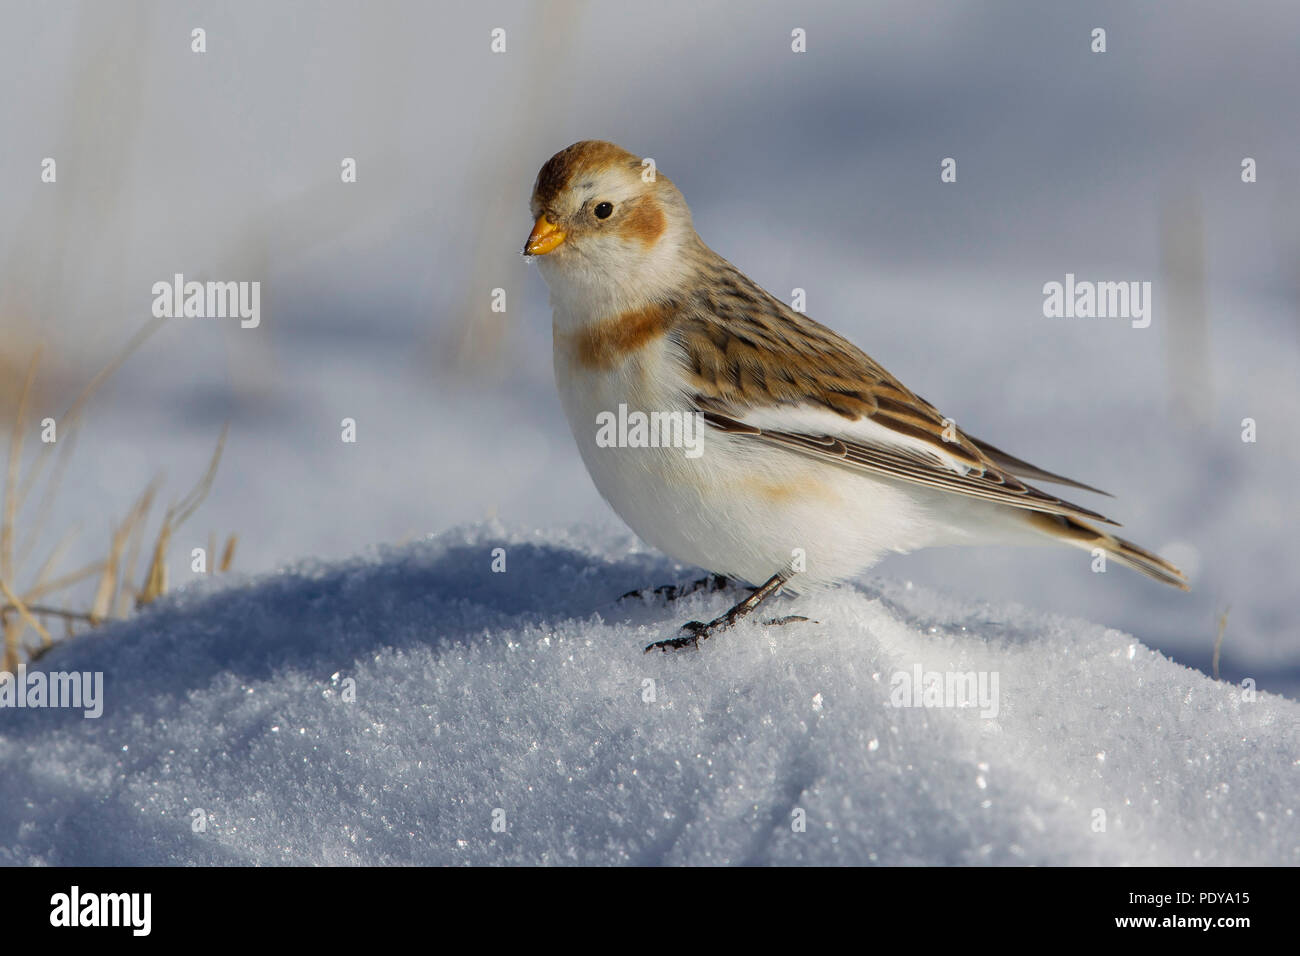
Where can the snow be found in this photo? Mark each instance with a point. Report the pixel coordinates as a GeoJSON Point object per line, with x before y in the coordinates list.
{"type": "Point", "coordinates": [524, 697]}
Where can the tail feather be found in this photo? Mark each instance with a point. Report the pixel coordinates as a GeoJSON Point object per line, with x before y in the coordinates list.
{"type": "Point", "coordinates": [1082, 535]}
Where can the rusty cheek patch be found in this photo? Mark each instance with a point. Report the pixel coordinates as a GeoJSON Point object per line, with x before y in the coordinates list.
{"type": "Point", "coordinates": [607, 344]}
{"type": "Point", "coordinates": [645, 222]}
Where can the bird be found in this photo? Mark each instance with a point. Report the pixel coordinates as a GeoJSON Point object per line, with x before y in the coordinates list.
{"type": "Point", "coordinates": [807, 462]}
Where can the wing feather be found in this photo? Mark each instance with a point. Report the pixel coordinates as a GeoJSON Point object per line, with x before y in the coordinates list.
{"type": "Point", "coordinates": [989, 484]}
{"type": "Point", "coordinates": [745, 353]}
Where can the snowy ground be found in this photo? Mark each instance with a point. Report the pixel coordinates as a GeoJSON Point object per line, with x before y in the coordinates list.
{"type": "Point", "coordinates": [525, 694]}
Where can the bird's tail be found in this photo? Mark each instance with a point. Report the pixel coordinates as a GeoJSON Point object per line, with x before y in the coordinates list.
{"type": "Point", "coordinates": [1082, 535]}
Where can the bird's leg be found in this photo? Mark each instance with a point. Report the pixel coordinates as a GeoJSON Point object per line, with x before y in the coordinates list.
{"type": "Point", "coordinates": [698, 631]}
{"type": "Point", "coordinates": [671, 592]}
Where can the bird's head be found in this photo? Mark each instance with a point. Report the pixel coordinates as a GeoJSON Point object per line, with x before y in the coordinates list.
{"type": "Point", "coordinates": [607, 226]}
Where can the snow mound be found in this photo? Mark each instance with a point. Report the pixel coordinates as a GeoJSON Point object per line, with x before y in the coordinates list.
{"type": "Point", "coordinates": [414, 706]}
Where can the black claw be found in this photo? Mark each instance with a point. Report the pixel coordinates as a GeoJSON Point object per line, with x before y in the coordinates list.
{"type": "Point", "coordinates": [674, 644]}
{"type": "Point", "coordinates": [698, 631]}
{"type": "Point", "coordinates": [673, 592]}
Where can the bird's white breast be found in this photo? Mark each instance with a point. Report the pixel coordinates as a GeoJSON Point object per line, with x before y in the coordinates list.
{"type": "Point", "coordinates": [743, 508]}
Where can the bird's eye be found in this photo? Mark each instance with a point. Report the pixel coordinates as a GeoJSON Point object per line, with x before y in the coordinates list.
{"type": "Point", "coordinates": [604, 210]}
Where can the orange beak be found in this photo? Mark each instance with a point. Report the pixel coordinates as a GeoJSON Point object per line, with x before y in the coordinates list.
{"type": "Point", "coordinates": [545, 237]}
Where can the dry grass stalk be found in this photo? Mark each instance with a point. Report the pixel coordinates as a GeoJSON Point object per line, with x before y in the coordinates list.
{"type": "Point", "coordinates": [156, 577]}
{"type": "Point", "coordinates": [13, 628]}
{"type": "Point", "coordinates": [115, 568]}
{"type": "Point", "coordinates": [228, 555]}
{"type": "Point", "coordinates": [11, 658]}
{"type": "Point", "coordinates": [64, 582]}
{"type": "Point", "coordinates": [67, 424]}
{"type": "Point", "coordinates": [114, 593]}
{"type": "Point", "coordinates": [12, 495]}
{"type": "Point", "coordinates": [126, 594]}
{"type": "Point", "coordinates": [54, 557]}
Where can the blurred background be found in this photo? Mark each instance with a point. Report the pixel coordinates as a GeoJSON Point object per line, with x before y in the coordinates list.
{"type": "Point", "coordinates": [817, 170]}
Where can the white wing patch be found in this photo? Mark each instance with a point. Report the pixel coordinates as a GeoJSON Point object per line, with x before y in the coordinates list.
{"type": "Point", "coordinates": [870, 446]}
{"type": "Point", "coordinates": [820, 421]}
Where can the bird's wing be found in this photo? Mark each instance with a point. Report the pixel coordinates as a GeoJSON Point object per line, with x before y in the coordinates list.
{"type": "Point", "coordinates": [756, 368]}
{"type": "Point", "coordinates": [1023, 469]}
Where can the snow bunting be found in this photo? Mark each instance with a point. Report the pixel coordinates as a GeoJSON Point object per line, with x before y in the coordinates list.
{"type": "Point", "coordinates": [812, 461]}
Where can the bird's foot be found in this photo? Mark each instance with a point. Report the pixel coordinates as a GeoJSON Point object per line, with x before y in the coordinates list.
{"type": "Point", "coordinates": [671, 592]}
{"type": "Point", "coordinates": [695, 631]}
{"type": "Point", "coordinates": [788, 619]}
